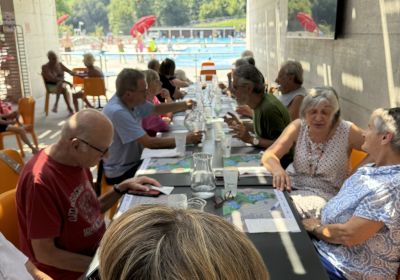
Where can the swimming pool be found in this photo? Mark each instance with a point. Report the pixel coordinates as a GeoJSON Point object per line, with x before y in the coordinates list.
{"type": "Point", "coordinates": [223, 55]}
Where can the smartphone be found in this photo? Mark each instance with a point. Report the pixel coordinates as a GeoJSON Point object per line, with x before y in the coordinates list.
{"type": "Point", "coordinates": [150, 193]}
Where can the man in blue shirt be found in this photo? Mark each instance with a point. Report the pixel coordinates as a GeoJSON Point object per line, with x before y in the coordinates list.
{"type": "Point", "coordinates": [126, 110]}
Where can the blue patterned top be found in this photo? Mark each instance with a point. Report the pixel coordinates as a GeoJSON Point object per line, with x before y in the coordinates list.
{"type": "Point", "coordinates": [372, 193]}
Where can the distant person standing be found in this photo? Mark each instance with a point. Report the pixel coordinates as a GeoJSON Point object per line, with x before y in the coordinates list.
{"type": "Point", "coordinates": [121, 50]}
{"type": "Point", "coordinates": [67, 45]}
{"type": "Point", "coordinates": [139, 47]}
{"type": "Point", "coordinates": [152, 45]}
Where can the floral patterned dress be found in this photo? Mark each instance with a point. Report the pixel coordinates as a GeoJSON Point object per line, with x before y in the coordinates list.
{"type": "Point", "coordinates": [318, 169]}
{"type": "Point", "coordinates": [372, 193]}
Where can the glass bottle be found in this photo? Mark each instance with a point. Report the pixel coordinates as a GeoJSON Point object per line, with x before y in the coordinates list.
{"type": "Point", "coordinates": [202, 177]}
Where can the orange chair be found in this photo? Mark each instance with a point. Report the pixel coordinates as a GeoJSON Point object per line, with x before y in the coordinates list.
{"type": "Point", "coordinates": [95, 87]}
{"type": "Point", "coordinates": [208, 69]}
{"type": "Point", "coordinates": [19, 142]}
{"type": "Point", "coordinates": [9, 177]}
{"type": "Point", "coordinates": [76, 80]}
{"type": "Point", "coordinates": [9, 217]}
{"type": "Point", "coordinates": [26, 110]}
{"type": "Point", "coordinates": [104, 189]}
{"type": "Point", "coordinates": [356, 157]}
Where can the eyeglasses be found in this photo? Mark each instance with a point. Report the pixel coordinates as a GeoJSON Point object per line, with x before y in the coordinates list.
{"type": "Point", "coordinates": [220, 200]}
{"type": "Point", "coordinates": [102, 152]}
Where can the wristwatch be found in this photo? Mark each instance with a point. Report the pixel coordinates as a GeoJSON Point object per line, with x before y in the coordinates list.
{"type": "Point", "coordinates": [256, 141]}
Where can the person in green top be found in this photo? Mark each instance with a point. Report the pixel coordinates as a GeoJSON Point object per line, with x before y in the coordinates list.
{"type": "Point", "coordinates": [270, 115]}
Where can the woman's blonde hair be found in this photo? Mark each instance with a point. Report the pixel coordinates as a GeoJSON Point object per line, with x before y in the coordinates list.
{"type": "Point", "coordinates": [157, 242]}
{"type": "Point", "coordinates": [151, 76]}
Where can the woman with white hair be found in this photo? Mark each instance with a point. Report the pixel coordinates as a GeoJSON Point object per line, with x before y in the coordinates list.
{"type": "Point", "coordinates": [92, 72]}
{"type": "Point", "coordinates": [359, 230]}
{"type": "Point", "coordinates": [323, 143]}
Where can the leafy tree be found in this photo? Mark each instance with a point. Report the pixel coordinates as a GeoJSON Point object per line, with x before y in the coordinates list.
{"type": "Point", "coordinates": [324, 13]}
{"type": "Point", "coordinates": [92, 13]}
{"type": "Point", "coordinates": [172, 12]}
{"type": "Point", "coordinates": [144, 8]}
{"type": "Point", "coordinates": [121, 15]}
{"type": "Point", "coordinates": [222, 8]}
{"type": "Point", "coordinates": [63, 7]}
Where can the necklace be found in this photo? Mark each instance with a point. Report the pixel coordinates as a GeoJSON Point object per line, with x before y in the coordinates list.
{"type": "Point", "coordinates": [315, 151]}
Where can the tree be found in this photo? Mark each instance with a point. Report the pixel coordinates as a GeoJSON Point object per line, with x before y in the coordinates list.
{"type": "Point", "coordinates": [121, 15]}
{"type": "Point", "coordinates": [222, 8]}
{"type": "Point", "coordinates": [92, 13]}
{"type": "Point", "coordinates": [63, 7]}
{"type": "Point", "coordinates": [172, 12]}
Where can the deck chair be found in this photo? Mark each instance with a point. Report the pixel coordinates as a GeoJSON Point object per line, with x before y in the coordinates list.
{"type": "Point", "coordinates": [26, 110]}
{"type": "Point", "coordinates": [9, 217]}
{"type": "Point", "coordinates": [208, 69]}
{"type": "Point", "coordinates": [95, 87]}
{"type": "Point", "coordinates": [11, 164]}
{"type": "Point", "coordinates": [356, 157]}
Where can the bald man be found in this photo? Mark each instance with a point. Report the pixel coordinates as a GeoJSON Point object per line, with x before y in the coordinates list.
{"type": "Point", "coordinates": [60, 217]}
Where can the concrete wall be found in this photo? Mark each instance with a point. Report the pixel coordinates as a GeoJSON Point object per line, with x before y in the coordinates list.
{"type": "Point", "coordinates": [363, 64]}
{"type": "Point", "coordinates": [38, 20]}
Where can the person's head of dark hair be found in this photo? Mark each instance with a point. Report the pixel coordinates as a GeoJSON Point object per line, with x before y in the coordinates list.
{"type": "Point", "coordinates": [153, 64]}
{"type": "Point", "coordinates": [249, 74]}
{"type": "Point", "coordinates": [128, 79]}
{"type": "Point", "coordinates": [167, 67]}
{"type": "Point", "coordinates": [250, 60]}
{"type": "Point", "coordinates": [294, 68]}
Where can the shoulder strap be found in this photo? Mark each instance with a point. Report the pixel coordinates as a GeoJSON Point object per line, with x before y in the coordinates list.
{"type": "Point", "coordinates": [10, 162]}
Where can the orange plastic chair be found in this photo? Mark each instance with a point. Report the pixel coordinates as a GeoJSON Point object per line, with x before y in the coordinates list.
{"type": "Point", "coordinates": [356, 157]}
{"type": "Point", "coordinates": [9, 177]}
{"type": "Point", "coordinates": [26, 110]}
{"type": "Point", "coordinates": [9, 217]}
{"type": "Point", "coordinates": [19, 141]}
{"type": "Point", "coordinates": [76, 80]}
{"type": "Point", "coordinates": [104, 189]}
{"type": "Point", "coordinates": [208, 69]}
{"type": "Point", "coordinates": [95, 87]}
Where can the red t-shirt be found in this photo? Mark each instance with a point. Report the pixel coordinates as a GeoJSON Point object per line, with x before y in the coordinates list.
{"type": "Point", "coordinates": [58, 201]}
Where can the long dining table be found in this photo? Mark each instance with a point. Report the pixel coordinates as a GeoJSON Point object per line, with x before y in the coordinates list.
{"type": "Point", "coordinates": [287, 255]}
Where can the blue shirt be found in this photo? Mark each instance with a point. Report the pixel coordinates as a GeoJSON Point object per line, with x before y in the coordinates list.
{"type": "Point", "coordinates": [372, 193]}
{"type": "Point", "coordinates": [124, 151]}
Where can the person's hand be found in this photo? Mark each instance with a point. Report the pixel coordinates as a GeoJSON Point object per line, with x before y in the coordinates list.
{"type": "Point", "coordinates": [281, 180]}
{"type": "Point", "coordinates": [311, 224]}
{"type": "Point", "coordinates": [138, 184]}
{"type": "Point", "coordinates": [178, 94]}
{"type": "Point", "coordinates": [244, 110]}
{"type": "Point", "coordinates": [11, 121]}
{"type": "Point", "coordinates": [240, 131]}
{"type": "Point", "coordinates": [12, 115]}
{"type": "Point", "coordinates": [231, 119]}
{"type": "Point", "coordinates": [221, 85]}
{"type": "Point", "coordinates": [194, 137]}
{"type": "Point", "coordinates": [190, 104]}
{"type": "Point", "coordinates": [165, 93]}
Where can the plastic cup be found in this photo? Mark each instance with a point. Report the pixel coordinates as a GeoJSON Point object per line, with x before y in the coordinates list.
{"type": "Point", "coordinates": [218, 131]}
{"type": "Point", "coordinates": [231, 180]}
{"type": "Point", "coordinates": [180, 142]}
{"type": "Point", "coordinates": [227, 145]}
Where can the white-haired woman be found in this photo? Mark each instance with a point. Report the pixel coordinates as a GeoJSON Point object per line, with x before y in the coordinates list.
{"type": "Point", "coordinates": [92, 72]}
{"type": "Point", "coordinates": [323, 143]}
{"type": "Point", "coordinates": [359, 230]}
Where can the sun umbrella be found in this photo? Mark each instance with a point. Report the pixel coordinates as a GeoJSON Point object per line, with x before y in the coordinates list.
{"type": "Point", "coordinates": [62, 18]}
{"type": "Point", "coordinates": [306, 21]}
{"type": "Point", "coordinates": [142, 25]}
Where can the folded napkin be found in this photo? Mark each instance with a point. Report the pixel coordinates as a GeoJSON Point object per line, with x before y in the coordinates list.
{"type": "Point", "coordinates": [159, 153]}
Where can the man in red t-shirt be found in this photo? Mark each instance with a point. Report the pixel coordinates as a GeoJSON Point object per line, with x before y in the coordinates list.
{"type": "Point", "coordinates": [60, 217]}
